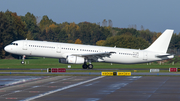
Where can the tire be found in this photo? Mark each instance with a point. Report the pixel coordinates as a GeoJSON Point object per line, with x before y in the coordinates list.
{"type": "Point", "coordinates": [84, 66]}
{"type": "Point", "coordinates": [90, 66]}
{"type": "Point", "coordinates": [22, 62]}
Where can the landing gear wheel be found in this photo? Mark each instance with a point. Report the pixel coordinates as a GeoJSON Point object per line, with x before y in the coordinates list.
{"type": "Point", "coordinates": [90, 66]}
{"type": "Point", "coordinates": [23, 57]}
{"type": "Point", "coordinates": [84, 66]}
{"type": "Point", "coordinates": [22, 62]}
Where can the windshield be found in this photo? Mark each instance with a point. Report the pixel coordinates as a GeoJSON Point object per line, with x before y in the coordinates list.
{"type": "Point", "coordinates": [14, 44]}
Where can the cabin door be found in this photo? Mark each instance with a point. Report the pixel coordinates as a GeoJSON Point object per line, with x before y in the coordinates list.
{"type": "Point", "coordinates": [58, 49]}
{"type": "Point", "coordinates": [24, 45]}
{"type": "Point", "coordinates": [145, 56]}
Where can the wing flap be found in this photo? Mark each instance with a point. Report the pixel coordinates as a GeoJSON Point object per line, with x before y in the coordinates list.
{"type": "Point", "coordinates": [94, 56]}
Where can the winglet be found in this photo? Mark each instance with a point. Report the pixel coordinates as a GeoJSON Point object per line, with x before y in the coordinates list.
{"type": "Point", "coordinates": [162, 43]}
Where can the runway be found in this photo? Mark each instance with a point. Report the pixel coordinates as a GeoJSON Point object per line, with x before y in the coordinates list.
{"type": "Point", "coordinates": [95, 88]}
{"type": "Point", "coordinates": [99, 73]}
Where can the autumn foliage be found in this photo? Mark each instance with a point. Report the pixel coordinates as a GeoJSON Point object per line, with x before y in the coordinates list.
{"type": "Point", "coordinates": [14, 27]}
{"type": "Point", "coordinates": [78, 41]}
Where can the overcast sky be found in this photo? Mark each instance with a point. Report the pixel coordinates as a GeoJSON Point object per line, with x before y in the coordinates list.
{"type": "Point", "coordinates": [155, 15]}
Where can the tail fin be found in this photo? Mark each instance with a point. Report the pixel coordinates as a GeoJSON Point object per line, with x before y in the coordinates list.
{"type": "Point", "coordinates": [162, 43]}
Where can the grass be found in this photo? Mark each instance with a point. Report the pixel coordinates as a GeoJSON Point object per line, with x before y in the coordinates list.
{"type": "Point", "coordinates": [43, 63]}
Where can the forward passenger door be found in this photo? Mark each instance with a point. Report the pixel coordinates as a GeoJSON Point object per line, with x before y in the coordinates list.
{"type": "Point", "coordinates": [24, 45]}
{"type": "Point", "coordinates": [58, 49]}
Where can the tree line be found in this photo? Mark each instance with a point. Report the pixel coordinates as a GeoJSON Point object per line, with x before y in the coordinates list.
{"type": "Point", "coordinates": [14, 27]}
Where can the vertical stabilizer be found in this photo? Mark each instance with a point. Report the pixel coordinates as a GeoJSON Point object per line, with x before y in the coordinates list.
{"type": "Point", "coordinates": [162, 42]}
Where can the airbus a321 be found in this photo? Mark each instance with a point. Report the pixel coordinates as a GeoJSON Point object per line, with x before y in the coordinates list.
{"type": "Point", "coordinates": [83, 54]}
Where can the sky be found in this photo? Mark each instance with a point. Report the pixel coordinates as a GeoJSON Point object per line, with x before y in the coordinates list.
{"type": "Point", "coordinates": [155, 15]}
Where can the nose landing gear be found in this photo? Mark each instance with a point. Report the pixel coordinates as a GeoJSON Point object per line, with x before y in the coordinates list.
{"type": "Point", "coordinates": [23, 58]}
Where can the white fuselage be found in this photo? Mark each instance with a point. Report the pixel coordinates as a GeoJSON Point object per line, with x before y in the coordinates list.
{"type": "Point", "coordinates": [62, 50]}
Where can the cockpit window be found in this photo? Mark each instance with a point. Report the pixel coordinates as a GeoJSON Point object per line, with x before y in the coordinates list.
{"type": "Point", "coordinates": [16, 44]}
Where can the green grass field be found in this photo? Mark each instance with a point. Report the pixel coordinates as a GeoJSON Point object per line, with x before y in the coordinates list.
{"type": "Point", "coordinates": [41, 63]}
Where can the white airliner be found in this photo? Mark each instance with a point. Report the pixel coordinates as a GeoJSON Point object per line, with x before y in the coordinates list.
{"type": "Point", "coordinates": [81, 54]}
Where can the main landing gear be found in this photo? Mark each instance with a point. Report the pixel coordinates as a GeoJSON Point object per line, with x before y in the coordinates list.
{"type": "Point", "coordinates": [22, 62]}
{"type": "Point", "coordinates": [85, 66]}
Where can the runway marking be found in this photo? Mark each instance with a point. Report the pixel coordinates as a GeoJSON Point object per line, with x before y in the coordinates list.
{"type": "Point", "coordinates": [52, 86]}
{"type": "Point", "coordinates": [17, 91]}
{"type": "Point", "coordinates": [21, 86]}
{"type": "Point", "coordinates": [2, 90]}
{"type": "Point", "coordinates": [157, 88]}
{"type": "Point", "coordinates": [11, 98]}
{"type": "Point", "coordinates": [33, 91]}
{"type": "Point", "coordinates": [52, 82]}
{"type": "Point", "coordinates": [92, 99]}
{"type": "Point", "coordinates": [92, 84]}
{"type": "Point", "coordinates": [31, 88]}
{"type": "Point", "coordinates": [66, 82]}
{"type": "Point", "coordinates": [117, 85]}
{"type": "Point", "coordinates": [35, 86]}
{"type": "Point", "coordinates": [133, 77]}
{"type": "Point", "coordinates": [61, 89]}
{"type": "Point", "coordinates": [112, 88]}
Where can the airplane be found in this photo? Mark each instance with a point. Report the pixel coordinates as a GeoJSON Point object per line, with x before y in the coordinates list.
{"type": "Point", "coordinates": [83, 54]}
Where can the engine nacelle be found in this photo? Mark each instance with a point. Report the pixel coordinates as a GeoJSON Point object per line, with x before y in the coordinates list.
{"type": "Point", "coordinates": [72, 60]}
{"type": "Point", "coordinates": [62, 60]}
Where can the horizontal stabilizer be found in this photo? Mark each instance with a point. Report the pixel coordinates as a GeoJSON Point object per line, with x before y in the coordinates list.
{"type": "Point", "coordinates": [164, 55]}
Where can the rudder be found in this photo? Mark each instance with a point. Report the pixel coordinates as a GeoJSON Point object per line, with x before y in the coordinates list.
{"type": "Point", "coordinates": [161, 44]}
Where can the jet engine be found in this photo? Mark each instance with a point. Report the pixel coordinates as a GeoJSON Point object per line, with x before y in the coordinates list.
{"type": "Point", "coordinates": [72, 60]}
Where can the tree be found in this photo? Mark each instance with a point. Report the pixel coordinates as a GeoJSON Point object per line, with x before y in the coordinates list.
{"type": "Point", "coordinates": [62, 36]}
{"type": "Point", "coordinates": [30, 22]}
{"type": "Point", "coordinates": [45, 22]}
{"type": "Point", "coordinates": [11, 28]}
{"type": "Point", "coordinates": [100, 42]}
{"type": "Point", "coordinates": [78, 41]}
{"type": "Point", "coordinates": [133, 31]}
{"type": "Point", "coordinates": [110, 24]}
{"type": "Point", "coordinates": [72, 30]}
{"type": "Point", "coordinates": [126, 41]}
{"type": "Point", "coordinates": [90, 33]}
{"type": "Point", "coordinates": [52, 27]}
{"type": "Point", "coordinates": [175, 42]}
{"type": "Point", "coordinates": [147, 35]}
{"type": "Point", "coordinates": [104, 23]}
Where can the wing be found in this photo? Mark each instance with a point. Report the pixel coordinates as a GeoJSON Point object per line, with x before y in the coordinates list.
{"type": "Point", "coordinates": [94, 56]}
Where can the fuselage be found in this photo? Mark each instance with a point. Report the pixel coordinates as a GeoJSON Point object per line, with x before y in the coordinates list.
{"type": "Point", "coordinates": [62, 50]}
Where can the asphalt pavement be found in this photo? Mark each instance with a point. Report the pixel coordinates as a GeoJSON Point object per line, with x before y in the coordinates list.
{"type": "Point", "coordinates": [95, 88]}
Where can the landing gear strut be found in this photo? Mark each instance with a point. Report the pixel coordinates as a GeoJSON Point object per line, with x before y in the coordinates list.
{"type": "Point", "coordinates": [85, 66]}
{"type": "Point", "coordinates": [22, 62]}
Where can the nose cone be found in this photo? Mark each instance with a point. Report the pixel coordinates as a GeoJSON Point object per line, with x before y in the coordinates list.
{"type": "Point", "coordinates": [6, 49]}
